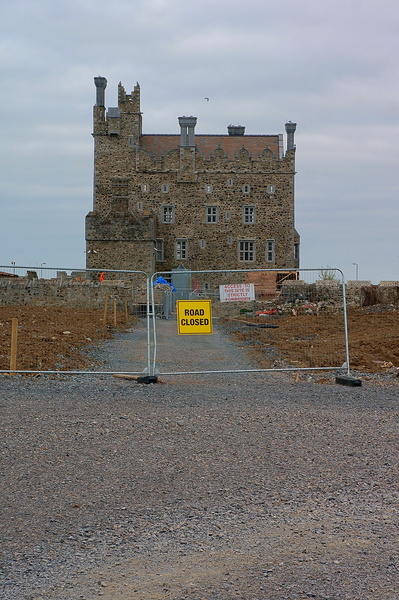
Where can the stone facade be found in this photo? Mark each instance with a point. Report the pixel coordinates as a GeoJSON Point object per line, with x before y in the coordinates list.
{"type": "Point", "coordinates": [202, 201]}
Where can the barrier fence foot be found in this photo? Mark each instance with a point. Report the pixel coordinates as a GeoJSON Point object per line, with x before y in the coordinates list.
{"type": "Point", "coordinates": [348, 380]}
{"type": "Point", "coordinates": [147, 379]}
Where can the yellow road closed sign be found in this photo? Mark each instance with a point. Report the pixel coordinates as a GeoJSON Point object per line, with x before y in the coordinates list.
{"type": "Point", "coordinates": [194, 317]}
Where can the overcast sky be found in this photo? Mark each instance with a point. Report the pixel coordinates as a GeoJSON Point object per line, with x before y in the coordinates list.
{"type": "Point", "coordinates": [332, 67]}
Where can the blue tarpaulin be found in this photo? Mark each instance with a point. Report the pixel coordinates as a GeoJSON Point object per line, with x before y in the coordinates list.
{"type": "Point", "coordinates": [163, 281]}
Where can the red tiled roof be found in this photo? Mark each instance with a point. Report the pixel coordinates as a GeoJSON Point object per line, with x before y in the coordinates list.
{"type": "Point", "coordinates": [159, 144]}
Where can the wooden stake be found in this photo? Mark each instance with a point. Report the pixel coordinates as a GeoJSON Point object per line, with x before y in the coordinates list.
{"type": "Point", "coordinates": [14, 345]}
{"type": "Point", "coordinates": [105, 311]}
{"type": "Point", "coordinates": [126, 312]}
{"type": "Point", "coordinates": [127, 376]}
{"type": "Point", "coordinates": [115, 314]}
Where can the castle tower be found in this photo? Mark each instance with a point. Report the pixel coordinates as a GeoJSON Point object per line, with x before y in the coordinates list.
{"type": "Point", "coordinates": [118, 234]}
{"type": "Point", "coordinates": [207, 201]}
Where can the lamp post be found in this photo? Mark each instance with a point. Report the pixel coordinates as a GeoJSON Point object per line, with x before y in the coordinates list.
{"type": "Point", "coordinates": [13, 266]}
{"type": "Point", "coordinates": [357, 270]}
{"type": "Point", "coordinates": [41, 269]}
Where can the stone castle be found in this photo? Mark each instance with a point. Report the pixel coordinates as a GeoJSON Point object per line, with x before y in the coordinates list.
{"type": "Point", "coordinates": [202, 202]}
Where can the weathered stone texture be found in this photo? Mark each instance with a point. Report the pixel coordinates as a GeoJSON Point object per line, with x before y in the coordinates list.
{"type": "Point", "coordinates": [136, 176]}
{"type": "Point", "coordinates": [84, 290]}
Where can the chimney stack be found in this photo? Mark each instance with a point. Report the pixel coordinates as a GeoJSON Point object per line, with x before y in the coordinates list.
{"type": "Point", "coordinates": [236, 130]}
{"type": "Point", "coordinates": [101, 84]}
{"type": "Point", "coordinates": [187, 125]}
{"type": "Point", "coordinates": [290, 129]}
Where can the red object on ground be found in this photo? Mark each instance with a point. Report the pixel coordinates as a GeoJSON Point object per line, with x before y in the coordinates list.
{"type": "Point", "coordinates": [267, 312]}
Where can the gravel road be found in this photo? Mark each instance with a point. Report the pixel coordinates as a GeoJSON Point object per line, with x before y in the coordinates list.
{"type": "Point", "coordinates": [201, 487]}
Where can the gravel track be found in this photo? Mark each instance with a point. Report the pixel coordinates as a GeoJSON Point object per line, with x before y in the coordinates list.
{"type": "Point", "coordinates": [248, 486]}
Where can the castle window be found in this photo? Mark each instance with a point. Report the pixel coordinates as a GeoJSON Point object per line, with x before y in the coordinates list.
{"type": "Point", "coordinates": [139, 206]}
{"type": "Point", "coordinates": [202, 244]}
{"type": "Point", "coordinates": [271, 189]}
{"type": "Point", "coordinates": [181, 249]}
{"type": "Point", "coordinates": [145, 187]}
{"type": "Point", "coordinates": [270, 250]}
{"type": "Point", "coordinates": [208, 188]}
{"type": "Point", "coordinates": [211, 215]}
{"type": "Point", "coordinates": [246, 189]}
{"type": "Point", "coordinates": [227, 215]}
{"type": "Point", "coordinates": [168, 214]}
{"type": "Point", "coordinates": [230, 239]}
{"type": "Point", "coordinates": [248, 214]}
{"type": "Point", "coordinates": [159, 250]}
{"type": "Point", "coordinates": [230, 182]}
{"type": "Point", "coordinates": [296, 251]}
{"type": "Point", "coordinates": [246, 250]}
{"type": "Point", "coordinates": [165, 188]}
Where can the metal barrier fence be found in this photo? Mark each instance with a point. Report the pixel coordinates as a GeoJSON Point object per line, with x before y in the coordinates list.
{"type": "Point", "coordinates": [59, 320]}
{"type": "Point", "coordinates": [105, 321]}
{"type": "Point", "coordinates": [287, 320]}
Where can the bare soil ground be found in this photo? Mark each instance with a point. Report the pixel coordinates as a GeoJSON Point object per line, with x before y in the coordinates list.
{"type": "Point", "coordinates": [54, 337]}
{"type": "Point", "coordinates": [58, 337]}
{"type": "Point", "coordinates": [373, 339]}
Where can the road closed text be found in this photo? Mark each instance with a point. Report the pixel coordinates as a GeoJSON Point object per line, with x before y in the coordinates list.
{"type": "Point", "coordinates": [194, 317]}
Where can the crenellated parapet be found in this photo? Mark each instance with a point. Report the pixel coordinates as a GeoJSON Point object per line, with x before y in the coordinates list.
{"type": "Point", "coordinates": [179, 159]}
{"type": "Point", "coordinates": [124, 121]}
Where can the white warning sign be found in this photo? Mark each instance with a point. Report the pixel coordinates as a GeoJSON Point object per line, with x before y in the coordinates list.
{"type": "Point", "coordinates": [237, 292]}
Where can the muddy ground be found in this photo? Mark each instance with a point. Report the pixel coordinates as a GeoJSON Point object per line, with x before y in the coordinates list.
{"type": "Point", "coordinates": [59, 338]}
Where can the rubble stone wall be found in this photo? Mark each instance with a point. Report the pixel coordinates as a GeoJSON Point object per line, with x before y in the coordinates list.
{"type": "Point", "coordinates": [92, 294]}
{"type": "Point", "coordinates": [85, 294]}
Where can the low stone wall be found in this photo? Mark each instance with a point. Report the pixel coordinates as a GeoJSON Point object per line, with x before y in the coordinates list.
{"type": "Point", "coordinates": [359, 293]}
{"type": "Point", "coordinates": [92, 294]}
{"type": "Point", "coordinates": [363, 293]}
{"type": "Point", "coordinates": [83, 294]}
